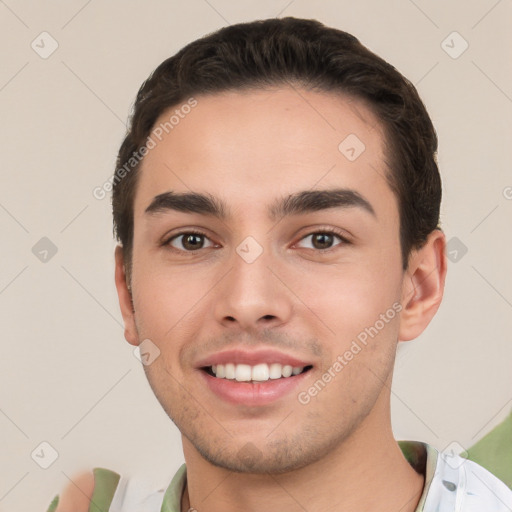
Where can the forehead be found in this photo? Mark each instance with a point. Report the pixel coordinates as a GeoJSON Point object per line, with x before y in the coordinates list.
{"type": "Point", "coordinates": [251, 146]}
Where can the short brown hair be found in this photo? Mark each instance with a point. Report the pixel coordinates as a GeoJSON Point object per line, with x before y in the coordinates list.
{"type": "Point", "coordinates": [280, 51]}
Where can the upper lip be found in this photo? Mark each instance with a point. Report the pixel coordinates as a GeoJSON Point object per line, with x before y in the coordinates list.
{"type": "Point", "coordinates": [252, 358]}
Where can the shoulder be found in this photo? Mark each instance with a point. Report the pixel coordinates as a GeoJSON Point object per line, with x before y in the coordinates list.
{"type": "Point", "coordinates": [462, 485]}
{"type": "Point", "coordinates": [77, 494]}
{"type": "Point", "coordinates": [107, 490]}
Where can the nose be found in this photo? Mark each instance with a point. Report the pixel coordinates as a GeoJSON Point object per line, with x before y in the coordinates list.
{"type": "Point", "coordinates": [251, 296]}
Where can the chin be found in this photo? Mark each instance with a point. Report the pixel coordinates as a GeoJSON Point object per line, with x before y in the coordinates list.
{"type": "Point", "coordinates": [277, 457]}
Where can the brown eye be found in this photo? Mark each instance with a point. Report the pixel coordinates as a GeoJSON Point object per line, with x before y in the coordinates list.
{"type": "Point", "coordinates": [189, 241]}
{"type": "Point", "coordinates": [322, 240]}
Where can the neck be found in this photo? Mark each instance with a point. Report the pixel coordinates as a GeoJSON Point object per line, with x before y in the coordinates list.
{"type": "Point", "coordinates": [366, 472]}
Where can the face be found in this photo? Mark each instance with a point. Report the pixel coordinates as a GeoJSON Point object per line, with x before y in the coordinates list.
{"type": "Point", "coordinates": [290, 262]}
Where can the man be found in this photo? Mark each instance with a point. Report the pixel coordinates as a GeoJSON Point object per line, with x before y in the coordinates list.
{"type": "Point", "coordinates": [276, 200]}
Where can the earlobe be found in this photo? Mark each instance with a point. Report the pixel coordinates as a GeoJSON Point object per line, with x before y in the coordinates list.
{"type": "Point", "coordinates": [125, 299]}
{"type": "Point", "coordinates": [423, 286]}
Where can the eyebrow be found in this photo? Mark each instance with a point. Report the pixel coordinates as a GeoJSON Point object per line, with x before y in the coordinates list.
{"type": "Point", "coordinates": [302, 202]}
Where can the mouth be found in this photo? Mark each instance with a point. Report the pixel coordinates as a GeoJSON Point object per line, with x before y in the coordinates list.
{"type": "Point", "coordinates": [256, 385]}
{"type": "Point", "coordinates": [253, 378]}
{"type": "Point", "coordinates": [261, 372]}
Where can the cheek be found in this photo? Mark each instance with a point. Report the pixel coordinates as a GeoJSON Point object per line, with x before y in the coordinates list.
{"type": "Point", "coordinates": [165, 301]}
{"type": "Point", "coordinates": [350, 298]}
{"type": "Point", "coordinates": [158, 276]}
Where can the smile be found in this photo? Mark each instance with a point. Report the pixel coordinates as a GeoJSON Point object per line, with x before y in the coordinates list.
{"type": "Point", "coordinates": [256, 373]}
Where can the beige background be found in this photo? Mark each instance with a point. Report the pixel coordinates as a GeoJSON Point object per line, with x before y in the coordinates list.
{"type": "Point", "coordinates": [67, 375]}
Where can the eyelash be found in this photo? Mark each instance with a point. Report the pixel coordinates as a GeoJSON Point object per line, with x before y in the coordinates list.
{"type": "Point", "coordinates": [330, 231]}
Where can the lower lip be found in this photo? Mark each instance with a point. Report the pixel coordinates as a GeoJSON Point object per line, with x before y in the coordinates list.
{"type": "Point", "coordinates": [249, 393]}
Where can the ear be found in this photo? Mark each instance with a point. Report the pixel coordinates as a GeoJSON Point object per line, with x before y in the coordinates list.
{"type": "Point", "coordinates": [125, 299]}
{"type": "Point", "coordinates": [423, 286]}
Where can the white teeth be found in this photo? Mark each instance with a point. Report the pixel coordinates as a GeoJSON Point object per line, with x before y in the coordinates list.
{"type": "Point", "coordinates": [287, 370]}
{"type": "Point", "coordinates": [230, 370]}
{"type": "Point", "coordinates": [275, 371]}
{"type": "Point", "coordinates": [219, 370]}
{"type": "Point", "coordinates": [243, 373]}
{"type": "Point", "coordinates": [259, 373]}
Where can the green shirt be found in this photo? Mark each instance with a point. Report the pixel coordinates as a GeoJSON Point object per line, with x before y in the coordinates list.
{"type": "Point", "coordinates": [452, 484]}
